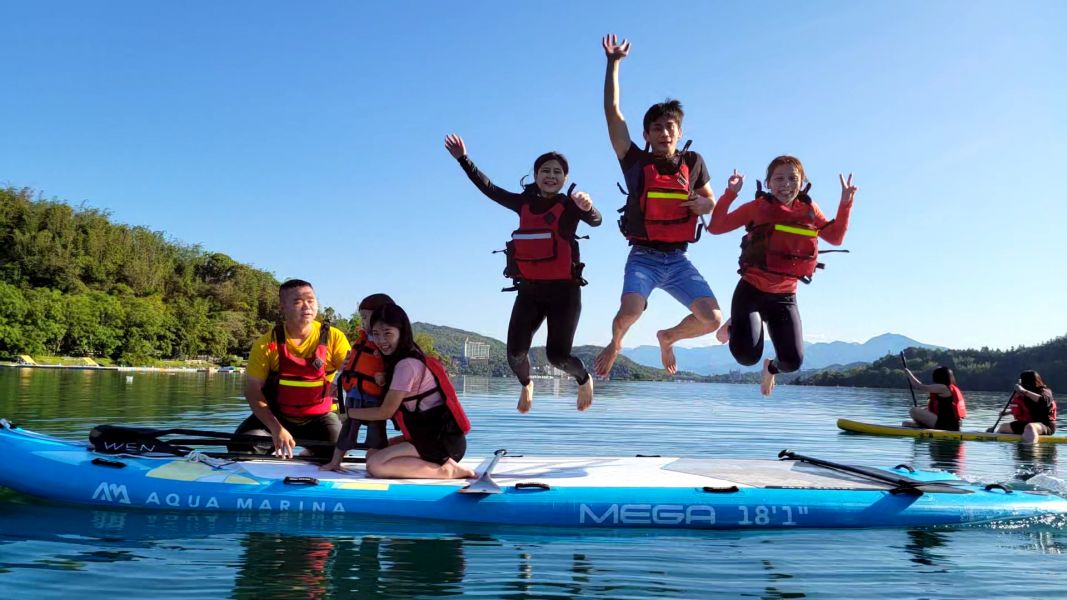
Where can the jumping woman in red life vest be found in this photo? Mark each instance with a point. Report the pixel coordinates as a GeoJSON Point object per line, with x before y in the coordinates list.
{"type": "Point", "coordinates": [780, 247]}
{"type": "Point", "coordinates": [544, 263]}
{"type": "Point", "coordinates": [1033, 407]}
{"type": "Point", "coordinates": [946, 408]}
{"type": "Point", "coordinates": [421, 398]}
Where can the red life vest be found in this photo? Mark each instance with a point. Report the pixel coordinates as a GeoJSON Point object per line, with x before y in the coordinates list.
{"type": "Point", "coordinates": [537, 251]}
{"type": "Point", "coordinates": [654, 213]}
{"type": "Point", "coordinates": [300, 388]}
{"type": "Point", "coordinates": [781, 243]}
{"type": "Point", "coordinates": [438, 416]}
{"type": "Point", "coordinates": [358, 371]}
{"type": "Point", "coordinates": [959, 405]}
{"type": "Point", "coordinates": [1020, 410]}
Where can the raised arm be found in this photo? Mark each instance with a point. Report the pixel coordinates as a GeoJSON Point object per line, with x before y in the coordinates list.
{"type": "Point", "coordinates": [834, 233]}
{"type": "Point", "coordinates": [722, 220]}
{"type": "Point", "coordinates": [932, 388]}
{"type": "Point", "coordinates": [586, 211]}
{"type": "Point", "coordinates": [617, 130]}
{"type": "Point", "coordinates": [458, 149]}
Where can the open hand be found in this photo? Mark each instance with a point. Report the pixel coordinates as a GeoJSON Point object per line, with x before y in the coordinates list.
{"type": "Point", "coordinates": [284, 443]}
{"type": "Point", "coordinates": [583, 201]}
{"type": "Point", "coordinates": [699, 205]}
{"type": "Point", "coordinates": [613, 49]}
{"type": "Point", "coordinates": [848, 191]}
{"type": "Point", "coordinates": [736, 181]}
{"type": "Point", "coordinates": [455, 146]}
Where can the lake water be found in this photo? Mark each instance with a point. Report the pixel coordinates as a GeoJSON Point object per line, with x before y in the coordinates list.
{"type": "Point", "coordinates": [57, 552]}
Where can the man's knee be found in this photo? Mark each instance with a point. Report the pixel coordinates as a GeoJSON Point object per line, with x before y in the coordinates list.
{"type": "Point", "coordinates": [707, 311]}
{"type": "Point", "coordinates": [631, 308]}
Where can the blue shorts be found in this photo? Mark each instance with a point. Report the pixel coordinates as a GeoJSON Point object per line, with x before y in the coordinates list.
{"type": "Point", "coordinates": [355, 398]}
{"type": "Point", "coordinates": [671, 271]}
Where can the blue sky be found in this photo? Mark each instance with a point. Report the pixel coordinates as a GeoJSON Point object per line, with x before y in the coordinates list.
{"type": "Point", "coordinates": [306, 139]}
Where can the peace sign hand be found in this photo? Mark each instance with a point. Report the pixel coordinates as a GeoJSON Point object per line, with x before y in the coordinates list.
{"type": "Point", "coordinates": [455, 146]}
{"type": "Point", "coordinates": [848, 191]}
{"type": "Point", "coordinates": [736, 181]}
{"type": "Point", "coordinates": [613, 49]}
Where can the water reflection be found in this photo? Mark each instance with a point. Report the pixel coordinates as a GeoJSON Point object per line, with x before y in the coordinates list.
{"type": "Point", "coordinates": [921, 545]}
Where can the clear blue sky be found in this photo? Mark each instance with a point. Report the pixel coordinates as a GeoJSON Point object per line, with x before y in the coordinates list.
{"type": "Point", "coordinates": [306, 139]}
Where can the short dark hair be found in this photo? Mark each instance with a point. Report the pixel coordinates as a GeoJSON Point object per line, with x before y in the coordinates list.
{"type": "Point", "coordinates": [374, 302]}
{"type": "Point", "coordinates": [292, 284]}
{"type": "Point", "coordinates": [547, 156]}
{"type": "Point", "coordinates": [668, 108]}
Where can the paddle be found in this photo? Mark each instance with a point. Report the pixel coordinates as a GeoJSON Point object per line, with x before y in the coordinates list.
{"type": "Point", "coordinates": [118, 439]}
{"type": "Point", "coordinates": [914, 402]}
{"type": "Point", "coordinates": [1000, 416]}
{"type": "Point", "coordinates": [901, 484]}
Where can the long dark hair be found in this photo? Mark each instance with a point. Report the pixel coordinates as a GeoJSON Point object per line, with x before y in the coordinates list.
{"type": "Point", "coordinates": [1031, 381]}
{"type": "Point", "coordinates": [944, 376]}
{"type": "Point", "coordinates": [394, 316]}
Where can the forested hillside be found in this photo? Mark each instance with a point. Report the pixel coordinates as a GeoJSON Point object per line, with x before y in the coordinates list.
{"type": "Point", "coordinates": [74, 283]}
{"type": "Point", "coordinates": [982, 369]}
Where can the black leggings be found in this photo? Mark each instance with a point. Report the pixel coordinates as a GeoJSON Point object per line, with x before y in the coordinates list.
{"type": "Point", "coordinates": [561, 304]}
{"type": "Point", "coordinates": [749, 309]}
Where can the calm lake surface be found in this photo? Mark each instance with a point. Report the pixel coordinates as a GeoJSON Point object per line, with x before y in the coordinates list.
{"type": "Point", "coordinates": [59, 552]}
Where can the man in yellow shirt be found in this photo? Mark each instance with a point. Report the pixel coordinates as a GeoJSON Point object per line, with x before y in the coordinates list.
{"type": "Point", "coordinates": [289, 379]}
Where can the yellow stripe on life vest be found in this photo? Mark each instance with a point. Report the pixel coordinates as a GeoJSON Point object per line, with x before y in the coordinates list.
{"type": "Point", "coordinates": [796, 230]}
{"type": "Point", "coordinates": [669, 195]}
{"type": "Point", "coordinates": [299, 383]}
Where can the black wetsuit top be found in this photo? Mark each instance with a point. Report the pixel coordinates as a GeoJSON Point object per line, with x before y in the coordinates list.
{"type": "Point", "coordinates": [568, 222]}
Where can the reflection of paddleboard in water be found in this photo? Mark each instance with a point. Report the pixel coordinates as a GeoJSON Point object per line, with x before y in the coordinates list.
{"type": "Point", "coordinates": [585, 492]}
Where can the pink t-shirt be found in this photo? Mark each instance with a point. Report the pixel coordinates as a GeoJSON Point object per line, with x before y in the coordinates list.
{"type": "Point", "coordinates": [412, 377]}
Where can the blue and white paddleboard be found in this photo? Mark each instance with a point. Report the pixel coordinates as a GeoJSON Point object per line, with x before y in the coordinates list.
{"type": "Point", "coordinates": [591, 492]}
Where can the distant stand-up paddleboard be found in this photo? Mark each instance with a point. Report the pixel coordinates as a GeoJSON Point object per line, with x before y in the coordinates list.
{"type": "Point", "coordinates": [977, 436]}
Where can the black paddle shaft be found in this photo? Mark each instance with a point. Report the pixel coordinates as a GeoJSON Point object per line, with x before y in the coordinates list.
{"type": "Point", "coordinates": [900, 484]}
{"type": "Point", "coordinates": [1000, 416]}
{"type": "Point", "coordinates": [914, 402]}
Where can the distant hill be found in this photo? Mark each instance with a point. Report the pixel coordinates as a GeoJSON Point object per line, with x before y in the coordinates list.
{"type": "Point", "coordinates": [983, 369]}
{"type": "Point", "coordinates": [717, 360]}
{"type": "Point", "coordinates": [449, 341]}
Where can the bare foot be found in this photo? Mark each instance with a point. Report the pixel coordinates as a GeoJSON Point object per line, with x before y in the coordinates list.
{"type": "Point", "coordinates": [454, 470]}
{"type": "Point", "coordinates": [666, 352]}
{"type": "Point", "coordinates": [723, 334]}
{"type": "Point", "coordinates": [766, 384]}
{"type": "Point", "coordinates": [585, 394]}
{"type": "Point", "coordinates": [525, 398]}
{"type": "Point", "coordinates": [605, 360]}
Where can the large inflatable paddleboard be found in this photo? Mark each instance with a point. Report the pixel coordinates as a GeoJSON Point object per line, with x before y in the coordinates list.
{"type": "Point", "coordinates": [977, 436]}
{"type": "Point", "coordinates": [591, 492]}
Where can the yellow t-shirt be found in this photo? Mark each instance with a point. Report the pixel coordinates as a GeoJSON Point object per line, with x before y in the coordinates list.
{"type": "Point", "coordinates": [263, 360]}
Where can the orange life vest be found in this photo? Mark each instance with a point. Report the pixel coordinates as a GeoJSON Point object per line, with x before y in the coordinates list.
{"type": "Point", "coordinates": [362, 364]}
{"type": "Point", "coordinates": [654, 211]}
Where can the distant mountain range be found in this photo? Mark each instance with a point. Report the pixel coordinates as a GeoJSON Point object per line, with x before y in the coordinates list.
{"type": "Point", "coordinates": [716, 360]}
